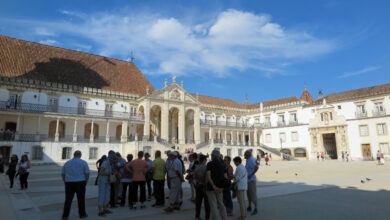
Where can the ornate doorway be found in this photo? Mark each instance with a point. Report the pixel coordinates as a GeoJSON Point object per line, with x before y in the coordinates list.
{"type": "Point", "coordinates": [330, 145]}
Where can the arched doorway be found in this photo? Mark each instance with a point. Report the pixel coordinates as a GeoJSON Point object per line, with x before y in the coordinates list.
{"type": "Point", "coordinates": [286, 151]}
{"type": "Point", "coordinates": [300, 152]}
{"type": "Point", "coordinates": [118, 132]}
{"type": "Point", "coordinates": [173, 125]}
{"type": "Point", "coordinates": [260, 152]}
{"type": "Point", "coordinates": [52, 129]}
{"type": "Point", "coordinates": [155, 121]}
{"type": "Point", "coordinates": [189, 124]}
{"type": "Point", "coordinates": [87, 130]}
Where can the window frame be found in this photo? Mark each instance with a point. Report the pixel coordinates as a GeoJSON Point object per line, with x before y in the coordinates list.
{"type": "Point", "coordinates": [96, 153]}
{"type": "Point", "coordinates": [70, 153]}
{"type": "Point", "coordinates": [368, 131]}
{"type": "Point", "coordinates": [380, 148]}
{"type": "Point", "coordinates": [384, 127]}
{"type": "Point", "coordinates": [285, 137]}
{"type": "Point", "coordinates": [297, 136]}
{"type": "Point", "coordinates": [33, 152]}
{"type": "Point", "coordinates": [270, 138]}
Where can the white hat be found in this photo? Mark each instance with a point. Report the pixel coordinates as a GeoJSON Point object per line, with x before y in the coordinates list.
{"type": "Point", "coordinates": [174, 153]}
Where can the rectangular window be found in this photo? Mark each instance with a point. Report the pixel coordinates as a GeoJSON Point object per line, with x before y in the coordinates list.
{"type": "Point", "coordinates": [229, 152]}
{"type": "Point", "coordinates": [384, 147]}
{"type": "Point", "coordinates": [379, 107]}
{"type": "Point", "coordinates": [294, 136]}
{"type": "Point", "coordinates": [268, 119]}
{"type": "Point", "coordinates": [280, 118]}
{"type": "Point", "coordinates": [363, 129]}
{"type": "Point", "coordinates": [37, 153]}
{"type": "Point", "coordinates": [322, 116]}
{"type": "Point", "coordinates": [381, 128]}
{"type": "Point", "coordinates": [268, 138]}
{"type": "Point", "coordinates": [361, 109]}
{"type": "Point", "coordinates": [330, 116]}
{"type": "Point", "coordinates": [93, 153]}
{"type": "Point", "coordinates": [293, 117]}
{"type": "Point", "coordinates": [66, 153]}
{"type": "Point", "coordinates": [282, 137]}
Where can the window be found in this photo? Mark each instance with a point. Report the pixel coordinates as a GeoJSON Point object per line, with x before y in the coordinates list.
{"type": "Point", "coordinates": [381, 128]}
{"type": "Point", "coordinates": [384, 148]}
{"type": "Point", "coordinates": [361, 109]}
{"type": "Point", "coordinates": [282, 137]}
{"type": "Point", "coordinates": [363, 129]}
{"type": "Point", "coordinates": [268, 138]}
{"type": "Point", "coordinates": [379, 107]}
{"type": "Point", "coordinates": [293, 117]}
{"type": "Point", "coordinates": [330, 116]}
{"type": "Point", "coordinates": [240, 152]}
{"type": "Point", "coordinates": [294, 136]}
{"type": "Point", "coordinates": [322, 116]}
{"type": "Point", "coordinates": [93, 153]}
{"type": "Point", "coordinates": [37, 153]}
{"type": "Point", "coordinates": [280, 118]}
{"type": "Point", "coordinates": [229, 152]}
{"type": "Point", "coordinates": [66, 153]}
{"type": "Point", "coordinates": [339, 106]}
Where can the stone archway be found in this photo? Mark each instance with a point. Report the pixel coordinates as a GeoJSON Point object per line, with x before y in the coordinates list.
{"type": "Point", "coordinates": [87, 130]}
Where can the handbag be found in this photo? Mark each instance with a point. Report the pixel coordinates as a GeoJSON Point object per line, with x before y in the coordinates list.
{"type": "Point", "coordinates": [112, 178]}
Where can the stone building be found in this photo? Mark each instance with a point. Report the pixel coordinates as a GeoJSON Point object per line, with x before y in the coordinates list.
{"type": "Point", "coordinates": [54, 101]}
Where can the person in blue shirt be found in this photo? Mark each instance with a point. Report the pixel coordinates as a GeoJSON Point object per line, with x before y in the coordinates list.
{"type": "Point", "coordinates": [251, 168]}
{"type": "Point", "coordinates": [75, 174]}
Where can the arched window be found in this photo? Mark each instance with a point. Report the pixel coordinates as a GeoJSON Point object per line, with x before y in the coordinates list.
{"type": "Point", "coordinates": [300, 152]}
{"type": "Point", "coordinates": [87, 130]}
{"type": "Point", "coordinates": [52, 129]}
{"type": "Point", "coordinates": [286, 151]}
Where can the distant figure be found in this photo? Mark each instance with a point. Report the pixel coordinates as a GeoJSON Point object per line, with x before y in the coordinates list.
{"type": "Point", "coordinates": [98, 165]}
{"type": "Point", "coordinates": [8, 105]}
{"type": "Point", "coordinates": [149, 176]}
{"type": "Point", "coordinates": [105, 175]}
{"type": "Point", "coordinates": [12, 169]}
{"type": "Point", "coordinates": [322, 156]}
{"type": "Point", "coordinates": [378, 157]}
{"type": "Point", "coordinates": [138, 167]}
{"type": "Point", "coordinates": [382, 159]}
{"type": "Point", "coordinates": [174, 170]}
{"type": "Point", "coordinates": [158, 167]}
{"type": "Point", "coordinates": [75, 174]}
{"type": "Point", "coordinates": [266, 158]}
{"type": "Point", "coordinates": [318, 156]}
{"type": "Point", "coordinates": [227, 196]}
{"type": "Point", "coordinates": [24, 171]}
{"type": "Point", "coordinates": [126, 180]}
{"type": "Point", "coordinates": [347, 156]}
{"type": "Point", "coordinates": [342, 156]}
{"type": "Point", "coordinates": [200, 187]}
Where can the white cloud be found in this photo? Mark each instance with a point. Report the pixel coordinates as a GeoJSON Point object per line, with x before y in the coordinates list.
{"type": "Point", "coordinates": [49, 42]}
{"type": "Point", "coordinates": [233, 41]}
{"type": "Point", "coordinates": [359, 72]}
{"type": "Point", "coordinates": [43, 32]}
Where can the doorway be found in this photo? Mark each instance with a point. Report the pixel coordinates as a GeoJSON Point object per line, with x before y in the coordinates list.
{"type": "Point", "coordinates": [330, 145]}
{"type": "Point", "coordinates": [366, 152]}
{"type": "Point", "coordinates": [11, 126]}
{"type": "Point", "coordinates": [246, 140]}
{"type": "Point", "coordinates": [5, 151]}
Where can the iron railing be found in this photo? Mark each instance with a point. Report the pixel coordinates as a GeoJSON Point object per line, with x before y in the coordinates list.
{"type": "Point", "coordinates": [225, 123]}
{"type": "Point", "coordinates": [361, 114]}
{"type": "Point", "coordinates": [377, 112]}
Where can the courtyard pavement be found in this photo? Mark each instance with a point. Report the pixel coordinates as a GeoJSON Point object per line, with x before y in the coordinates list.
{"type": "Point", "coordinates": [286, 190]}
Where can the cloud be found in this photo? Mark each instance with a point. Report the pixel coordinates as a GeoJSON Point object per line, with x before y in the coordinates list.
{"type": "Point", "coordinates": [230, 42]}
{"type": "Point", "coordinates": [43, 32]}
{"type": "Point", "coordinates": [359, 72]}
{"type": "Point", "coordinates": [49, 42]}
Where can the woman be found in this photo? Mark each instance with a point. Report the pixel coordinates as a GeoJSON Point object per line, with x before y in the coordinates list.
{"type": "Point", "coordinates": [104, 185]}
{"type": "Point", "coordinates": [12, 169]}
{"type": "Point", "coordinates": [227, 196]}
{"type": "Point", "coordinates": [98, 165]}
{"type": "Point", "coordinates": [200, 188]}
{"type": "Point", "coordinates": [24, 171]}
{"type": "Point", "coordinates": [241, 180]}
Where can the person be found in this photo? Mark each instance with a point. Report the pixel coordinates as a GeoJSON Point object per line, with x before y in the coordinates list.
{"type": "Point", "coordinates": [382, 159]}
{"type": "Point", "coordinates": [193, 158]}
{"type": "Point", "coordinates": [2, 162]}
{"type": "Point", "coordinates": [378, 157]}
{"type": "Point", "coordinates": [158, 167]}
{"type": "Point", "coordinates": [216, 180]}
{"type": "Point", "coordinates": [126, 179]}
{"type": "Point", "coordinates": [75, 174]}
{"type": "Point", "coordinates": [266, 159]}
{"type": "Point", "coordinates": [8, 105]}
{"type": "Point", "coordinates": [139, 167]}
{"type": "Point", "coordinates": [114, 184]}
{"type": "Point", "coordinates": [24, 171]}
{"type": "Point", "coordinates": [322, 156]}
{"type": "Point", "coordinates": [318, 156]}
{"type": "Point", "coordinates": [105, 175]}
{"type": "Point", "coordinates": [149, 176]}
{"type": "Point", "coordinates": [347, 156]}
{"type": "Point", "coordinates": [199, 176]}
{"type": "Point", "coordinates": [98, 165]}
{"type": "Point", "coordinates": [342, 156]}
{"type": "Point", "coordinates": [251, 169]}
{"type": "Point", "coordinates": [227, 196]}
{"type": "Point", "coordinates": [12, 170]}
{"type": "Point", "coordinates": [241, 180]}
{"type": "Point", "coordinates": [175, 177]}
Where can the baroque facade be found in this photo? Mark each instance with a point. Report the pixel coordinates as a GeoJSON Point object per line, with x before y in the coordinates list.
{"type": "Point", "coordinates": [54, 101]}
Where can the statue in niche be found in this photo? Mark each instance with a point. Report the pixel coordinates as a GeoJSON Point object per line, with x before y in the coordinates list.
{"type": "Point", "coordinates": [326, 117]}
{"type": "Point", "coordinates": [175, 95]}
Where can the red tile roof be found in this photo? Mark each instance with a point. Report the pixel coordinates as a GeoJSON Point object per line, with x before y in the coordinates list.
{"type": "Point", "coordinates": [31, 60]}
{"type": "Point", "coordinates": [307, 97]}
{"type": "Point", "coordinates": [218, 101]}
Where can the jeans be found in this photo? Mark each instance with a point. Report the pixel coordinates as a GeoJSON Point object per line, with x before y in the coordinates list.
{"type": "Point", "coordinates": [124, 189]}
{"type": "Point", "coordinates": [23, 180]}
{"type": "Point", "coordinates": [201, 195]}
{"type": "Point", "coordinates": [227, 199]}
{"type": "Point", "coordinates": [104, 193]}
{"type": "Point", "coordinates": [112, 195]}
{"type": "Point", "coordinates": [217, 207]}
{"type": "Point", "coordinates": [70, 189]}
{"type": "Point", "coordinates": [159, 194]}
{"type": "Point", "coordinates": [141, 185]}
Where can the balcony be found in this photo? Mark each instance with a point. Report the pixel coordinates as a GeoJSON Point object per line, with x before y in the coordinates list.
{"type": "Point", "coordinates": [25, 137]}
{"type": "Point", "coordinates": [361, 114]}
{"type": "Point", "coordinates": [293, 122]}
{"type": "Point", "coordinates": [37, 108]}
{"type": "Point", "coordinates": [224, 123]}
{"type": "Point", "coordinates": [378, 113]}
{"type": "Point", "coordinates": [281, 123]}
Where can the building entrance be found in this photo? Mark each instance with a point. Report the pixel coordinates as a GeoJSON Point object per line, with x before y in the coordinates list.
{"type": "Point", "coordinates": [5, 151]}
{"type": "Point", "coordinates": [366, 152]}
{"type": "Point", "coordinates": [330, 145]}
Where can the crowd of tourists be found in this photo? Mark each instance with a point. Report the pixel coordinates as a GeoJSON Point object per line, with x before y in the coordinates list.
{"type": "Point", "coordinates": [133, 181]}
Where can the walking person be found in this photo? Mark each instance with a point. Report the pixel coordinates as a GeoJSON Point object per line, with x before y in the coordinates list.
{"type": "Point", "coordinates": [158, 167]}
{"type": "Point", "coordinates": [24, 171]}
{"type": "Point", "coordinates": [322, 156]}
{"type": "Point", "coordinates": [12, 170]}
{"type": "Point", "coordinates": [378, 157]}
{"type": "Point", "coordinates": [105, 176]}
{"type": "Point", "coordinates": [347, 156]}
{"type": "Point", "coordinates": [175, 177]}
{"type": "Point", "coordinates": [139, 167]}
{"type": "Point", "coordinates": [342, 156]}
{"type": "Point", "coordinates": [149, 176]}
{"type": "Point", "coordinates": [241, 180]}
{"type": "Point", "coordinates": [114, 181]}
{"type": "Point", "coordinates": [251, 169]}
{"type": "Point", "coordinates": [318, 156]}
{"type": "Point", "coordinates": [98, 165]}
{"type": "Point", "coordinates": [126, 180]}
{"type": "Point", "coordinates": [75, 174]}
{"type": "Point", "coordinates": [216, 180]}
{"type": "Point", "coordinates": [199, 176]}
{"type": "Point", "coordinates": [227, 196]}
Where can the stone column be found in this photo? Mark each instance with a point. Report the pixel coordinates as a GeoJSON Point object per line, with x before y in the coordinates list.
{"type": "Point", "coordinates": [124, 131]}
{"type": "Point", "coordinates": [17, 129]}
{"type": "Point", "coordinates": [225, 138]}
{"type": "Point", "coordinates": [255, 138]}
{"type": "Point", "coordinates": [197, 126]}
{"type": "Point", "coordinates": [57, 135]}
{"type": "Point", "coordinates": [243, 138]}
{"type": "Point", "coordinates": [37, 136]}
{"type": "Point", "coordinates": [250, 139]}
{"type": "Point", "coordinates": [238, 138]}
{"type": "Point", "coordinates": [165, 122]}
{"type": "Point", "coordinates": [182, 124]}
{"type": "Point", "coordinates": [231, 137]}
{"type": "Point", "coordinates": [91, 136]}
{"type": "Point", "coordinates": [211, 135]}
{"type": "Point", "coordinates": [147, 120]}
{"type": "Point", "coordinates": [108, 131]}
{"type": "Point", "coordinates": [75, 131]}
{"type": "Point", "coordinates": [173, 130]}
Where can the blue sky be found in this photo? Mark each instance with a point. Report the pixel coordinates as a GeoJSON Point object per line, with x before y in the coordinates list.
{"type": "Point", "coordinates": [264, 48]}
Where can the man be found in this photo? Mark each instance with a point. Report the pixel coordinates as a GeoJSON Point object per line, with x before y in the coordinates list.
{"type": "Point", "coordinates": [126, 179]}
{"type": "Point", "coordinates": [251, 168]}
{"type": "Point", "coordinates": [378, 157]}
{"type": "Point", "coordinates": [75, 174]}
{"type": "Point", "coordinates": [158, 167]}
{"type": "Point", "coordinates": [216, 180]}
{"type": "Point", "coordinates": [149, 176]}
{"type": "Point", "coordinates": [200, 186]}
{"type": "Point", "coordinates": [138, 167]}
{"type": "Point", "coordinates": [175, 177]}
{"type": "Point", "coordinates": [241, 179]}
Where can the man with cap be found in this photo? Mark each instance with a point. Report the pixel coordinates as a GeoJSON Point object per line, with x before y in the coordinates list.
{"type": "Point", "coordinates": [175, 177]}
{"type": "Point", "coordinates": [251, 168]}
{"type": "Point", "coordinates": [216, 176]}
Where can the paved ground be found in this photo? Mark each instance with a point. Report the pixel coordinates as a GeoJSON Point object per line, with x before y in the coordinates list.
{"type": "Point", "coordinates": [319, 190]}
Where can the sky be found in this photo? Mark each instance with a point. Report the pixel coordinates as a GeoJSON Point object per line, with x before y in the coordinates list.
{"type": "Point", "coordinates": [266, 49]}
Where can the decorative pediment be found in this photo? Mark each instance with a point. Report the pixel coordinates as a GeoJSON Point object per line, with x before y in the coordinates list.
{"type": "Point", "coordinates": [174, 93]}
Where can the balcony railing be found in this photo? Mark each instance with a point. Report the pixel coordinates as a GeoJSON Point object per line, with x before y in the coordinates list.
{"type": "Point", "coordinates": [37, 108]}
{"type": "Point", "coordinates": [361, 114]}
{"type": "Point", "coordinates": [293, 122]}
{"type": "Point", "coordinates": [24, 137]}
{"type": "Point", "coordinates": [224, 123]}
{"type": "Point", "coordinates": [378, 112]}
{"type": "Point", "coordinates": [281, 123]}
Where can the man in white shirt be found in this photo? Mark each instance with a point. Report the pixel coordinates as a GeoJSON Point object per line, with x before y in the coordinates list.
{"type": "Point", "coordinates": [241, 179]}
